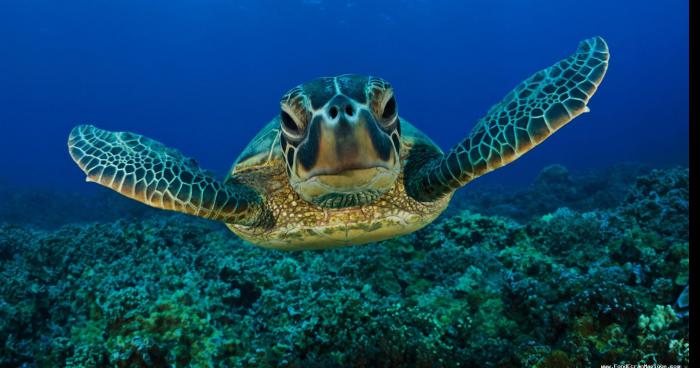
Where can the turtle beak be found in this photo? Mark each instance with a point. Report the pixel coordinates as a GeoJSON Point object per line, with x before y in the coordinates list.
{"type": "Point", "coordinates": [348, 140]}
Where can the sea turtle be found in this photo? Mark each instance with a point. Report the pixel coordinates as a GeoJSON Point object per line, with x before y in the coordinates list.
{"type": "Point", "coordinates": [337, 166]}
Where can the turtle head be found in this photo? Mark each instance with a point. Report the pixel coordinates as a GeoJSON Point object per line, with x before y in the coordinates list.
{"type": "Point", "coordinates": [341, 139]}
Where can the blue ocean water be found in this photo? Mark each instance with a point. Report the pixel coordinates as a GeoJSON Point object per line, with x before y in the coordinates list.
{"type": "Point", "coordinates": [575, 255]}
{"type": "Point", "coordinates": [205, 76]}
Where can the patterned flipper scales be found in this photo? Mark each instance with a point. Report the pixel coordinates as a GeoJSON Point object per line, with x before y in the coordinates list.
{"type": "Point", "coordinates": [529, 114]}
{"type": "Point", "coordinates": [149, 172]}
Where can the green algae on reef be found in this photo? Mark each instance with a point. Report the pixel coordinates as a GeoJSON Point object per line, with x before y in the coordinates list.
{"type": "Point", "coordinates": [565, 288]}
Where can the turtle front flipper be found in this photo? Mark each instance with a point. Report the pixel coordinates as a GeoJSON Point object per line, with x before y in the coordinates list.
{"type": "Point", "coordinates": [534, 110]}
{"type": "Point", "coordinates": [149, 172]}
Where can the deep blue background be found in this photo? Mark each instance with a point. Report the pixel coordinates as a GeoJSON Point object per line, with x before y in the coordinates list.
{"type": "Point", "coordinates": [205, 76]}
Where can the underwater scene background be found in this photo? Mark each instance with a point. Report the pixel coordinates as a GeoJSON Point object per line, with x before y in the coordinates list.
{"type": "Point", "coordinates": [577, 254]}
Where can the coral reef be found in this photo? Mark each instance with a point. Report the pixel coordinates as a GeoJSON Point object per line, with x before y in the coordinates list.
{"type": "Point", "coordinates": [554, 187]}
{"type": "Point", "coordinates": [566, 288]}
{"type": "Point", "coordinates": [60, 207]}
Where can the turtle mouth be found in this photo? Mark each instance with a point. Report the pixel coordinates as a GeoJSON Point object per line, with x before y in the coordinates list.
{"type": "Point", "coordinates": [352, 180]}
{"type": "Point", "coordinates": [349, 171]}
{"type": "Point", "coordinates": [350, 186]}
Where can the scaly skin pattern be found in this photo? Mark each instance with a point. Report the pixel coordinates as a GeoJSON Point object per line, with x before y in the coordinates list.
{"type": "Point", "coordinates": [259, 204]}
{"type": "Point", "coordinates": [149, 172]}
{"type": "Point", "coordinates": [301, 225]}
{"type": "Point", "coordinates": [529, 114]}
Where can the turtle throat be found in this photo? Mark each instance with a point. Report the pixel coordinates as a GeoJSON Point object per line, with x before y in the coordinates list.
{"type": "Point", "coordinates": [342, 200]}
{"type": "Point", "coordinates": [349, 188]}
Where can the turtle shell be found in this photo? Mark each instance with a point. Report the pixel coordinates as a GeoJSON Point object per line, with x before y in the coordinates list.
{"type": "Point", "coordinates": [263, 148]}
{"type": "Point", "coordinates": [411, 136]}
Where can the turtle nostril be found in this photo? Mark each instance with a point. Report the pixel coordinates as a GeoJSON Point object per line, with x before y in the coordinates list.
{"type": "Point", "coordinates": [333, 112]}
{"type": "Point", "coordinates": [348, 110]}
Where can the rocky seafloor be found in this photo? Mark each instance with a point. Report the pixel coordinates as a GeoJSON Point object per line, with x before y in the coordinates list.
{"type": "Point", "coordinates": [572, 271]}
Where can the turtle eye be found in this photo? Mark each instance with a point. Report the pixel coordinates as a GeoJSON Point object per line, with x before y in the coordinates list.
{"type": "Point", "coordinates": [389, 108]}
{"type": "Point", "coordinates": [289, 126]}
